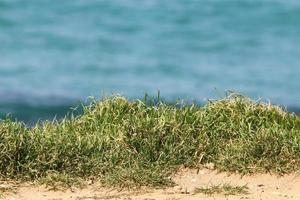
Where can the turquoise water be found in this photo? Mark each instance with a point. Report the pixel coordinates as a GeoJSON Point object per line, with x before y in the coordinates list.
{"type": "Point", "coordinates": [54, 53]}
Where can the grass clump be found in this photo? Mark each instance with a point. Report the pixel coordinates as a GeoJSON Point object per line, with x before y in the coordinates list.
{"type": "Point", "coordinates": [129, 143]}
{"type": "Point", "coordinates": [225, 189]}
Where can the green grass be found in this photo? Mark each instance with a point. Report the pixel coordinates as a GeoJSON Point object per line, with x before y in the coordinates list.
{"type": "Point", "coordinates": [225, 189]}
{"type": "Point", "coordinates": [131, 143]}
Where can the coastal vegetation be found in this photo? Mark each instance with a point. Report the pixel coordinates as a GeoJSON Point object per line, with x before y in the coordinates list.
{"type": "Point", "coordinates": [137, 143]}
{"type": "Point", "coordinates": [225, 188]}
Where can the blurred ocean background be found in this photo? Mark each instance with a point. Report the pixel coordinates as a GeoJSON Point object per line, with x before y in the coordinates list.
{"type": "Point", "coordinates": [56, 53]}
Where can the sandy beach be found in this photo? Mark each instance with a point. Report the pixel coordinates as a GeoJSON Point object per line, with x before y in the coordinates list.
{"type": "Point", "coordinates": [259, 186]}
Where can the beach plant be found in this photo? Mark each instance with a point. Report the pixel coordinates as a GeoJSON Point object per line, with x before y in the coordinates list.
{"type": "Point", "coordinates": [134, 143]}
{"type": "Point", "coordinates": [226, 189]}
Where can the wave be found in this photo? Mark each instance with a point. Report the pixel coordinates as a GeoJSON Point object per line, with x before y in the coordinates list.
{"type": "Point", "coordinates": [32, 113]}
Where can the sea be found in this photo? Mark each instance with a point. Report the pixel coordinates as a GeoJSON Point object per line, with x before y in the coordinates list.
{"type": "Point", "coordinates": [55, 54]}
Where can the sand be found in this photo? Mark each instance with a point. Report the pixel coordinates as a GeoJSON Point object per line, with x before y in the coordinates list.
{"type": "Point", "coordinates": [260, 186]}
